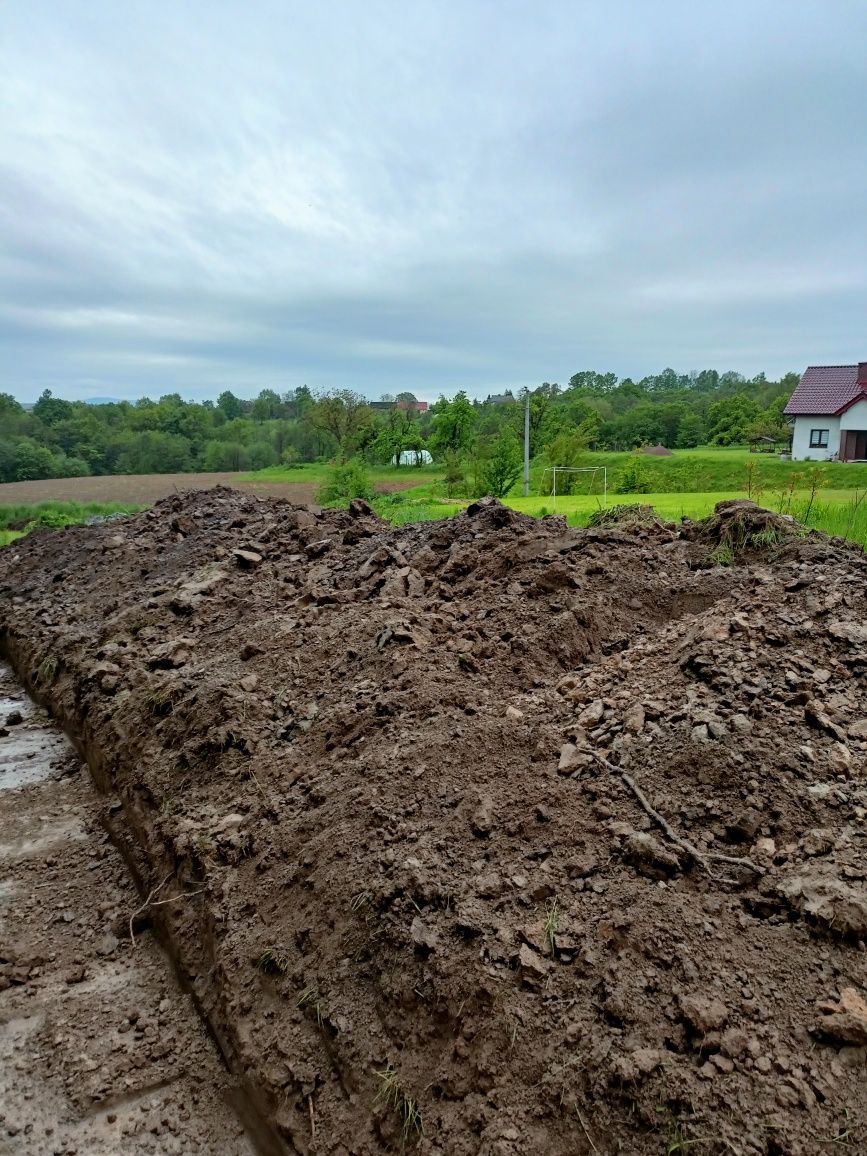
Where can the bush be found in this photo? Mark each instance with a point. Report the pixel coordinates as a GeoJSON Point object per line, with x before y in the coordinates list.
{"type": "Point", "coordinates": [633, 479]}
{"type": "Point", "coordinates": [345, 482]}
{"type": "Point", "coordinates": [498, 473]}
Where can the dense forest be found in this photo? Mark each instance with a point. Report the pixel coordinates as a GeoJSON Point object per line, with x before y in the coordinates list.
{"type": "Point", "coordinates": [57, 438]}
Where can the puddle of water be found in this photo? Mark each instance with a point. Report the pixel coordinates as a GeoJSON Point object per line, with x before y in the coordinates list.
{"type": "Point", "coordinates": [31, 748]}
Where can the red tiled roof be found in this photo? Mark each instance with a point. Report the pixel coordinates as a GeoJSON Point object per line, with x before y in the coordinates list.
{"type": "Point", "coordinates": [826, 389]}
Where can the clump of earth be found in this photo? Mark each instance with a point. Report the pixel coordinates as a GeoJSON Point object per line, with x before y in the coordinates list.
{"type": "Point", "coordinates": [486, 836]}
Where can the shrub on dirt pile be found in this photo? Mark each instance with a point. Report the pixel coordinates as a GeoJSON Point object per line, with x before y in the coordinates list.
{"type": "Point", "coordinates": [485, 837]}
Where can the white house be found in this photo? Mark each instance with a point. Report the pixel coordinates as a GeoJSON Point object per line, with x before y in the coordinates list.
{"type": "Point", "coordinates": [829, 414]}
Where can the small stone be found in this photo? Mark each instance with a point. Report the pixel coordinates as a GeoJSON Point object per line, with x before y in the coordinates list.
{"type": "Point", "coordinates": [482, 821]}
{"type": "Point", "coordinates": [817, 841]}
{"type": "Point", "coordinates": [723, 1063]}
{"type": "Point", "coordinates": [514, 714]}
{"type": "Point", "coordinates": [107, 945]}
{"type": "Point", "coordinates": [841, 757]}
{"type": "Point", "coordinates": [317, 549]}
{"type": "Point", "coordinates": [532, 967]}
{"type": "Point", "coordinates": [743, 828]}
{"type": "Point", "coordinates": [829, 902]}
{"type": "Point", "coordinates": [489, 886]}
{"type": "Point", "coordinates": [572, 759]}
{"type": "Point", "coordinates": [815, 717]}
{"type": "Point", "coordinates": [700, 733]}
{"type": "Point", "coordinates": [649, 855]}
{"type": "Point", "coordinates": [633, 722]}
{"type": "Point", "coordinates": [424, 937]}
{"type": "Point", "coordinates": [741, 723]}
{"type": "Point", "coordinates": [249, 682]}
{"type": "Point", "coordinates": [844, 1022]}
{"type": "Point", "coordinates": [858, 729]}
{"type": "Point", "coordinates": [592, 714]}
{"type": "Point", "coordinates": [14, 718]}
{"type": "Point", "coordinates": [247, 559]}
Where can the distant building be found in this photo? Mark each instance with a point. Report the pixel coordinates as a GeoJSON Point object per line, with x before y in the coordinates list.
{"type": "Point", "coordinates": [406, 406]}
{"type": "Point", "coordinates": [829, 413]}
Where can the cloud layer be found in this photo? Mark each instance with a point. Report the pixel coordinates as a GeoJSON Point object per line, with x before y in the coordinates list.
{"type": "Point", "coordinates": [429, 196]}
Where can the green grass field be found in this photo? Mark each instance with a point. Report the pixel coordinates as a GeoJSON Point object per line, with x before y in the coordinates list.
{"type": "Point", "coordinates": [15, 521]}
{"type": "Point", "coordinates": [713, 470]}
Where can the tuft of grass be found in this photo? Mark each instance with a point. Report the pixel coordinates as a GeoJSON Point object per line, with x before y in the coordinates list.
{"type": "Point", "coordinates": [723, 555]}
{"type": "Point", "coordinates": [310, 998]}
{"type": "Point", "coordinates": [160, 701]}
{"type": "Point", "coordinates": [272, 962]}
{"type": "Point", "coordinates": [359, 901]}
{"type": "Point", "coordinates": [47, 670]}
{"type": "Point", "coordinates": [203, 845]}
{"type": "Point", "coordinates": [392, 1093]}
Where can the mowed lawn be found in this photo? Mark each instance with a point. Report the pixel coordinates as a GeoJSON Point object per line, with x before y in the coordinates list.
{"type": "Point", "coordinates": [709, 470]}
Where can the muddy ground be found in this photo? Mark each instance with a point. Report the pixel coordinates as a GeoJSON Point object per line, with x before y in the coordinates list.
{"type": "Point", "coordinates": [100, 1050]}
{"type": "Point", "coordinates": [486, 836]}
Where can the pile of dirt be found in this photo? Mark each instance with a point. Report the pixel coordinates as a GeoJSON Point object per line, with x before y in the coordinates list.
{"type": "Point", "coordinates": [485, 835]}
{"type": "Point", "coordinates": [738, 526]}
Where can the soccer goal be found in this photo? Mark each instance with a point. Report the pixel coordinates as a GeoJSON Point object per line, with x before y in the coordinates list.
{"type": "Point", "coordinates": [593, 481]}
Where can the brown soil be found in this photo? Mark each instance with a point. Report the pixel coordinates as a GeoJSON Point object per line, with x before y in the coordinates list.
{"type": "Point", "coordinates": [146, 488]}
{"type": "Point", "coordinates": [554, 836]}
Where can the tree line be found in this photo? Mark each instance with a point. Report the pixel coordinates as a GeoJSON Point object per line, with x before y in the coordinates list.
{"type": "Point", "coordinates": [59, 438]}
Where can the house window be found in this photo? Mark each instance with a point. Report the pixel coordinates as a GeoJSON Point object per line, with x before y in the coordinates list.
{"type": "Point", "coordinates": [818, 439]}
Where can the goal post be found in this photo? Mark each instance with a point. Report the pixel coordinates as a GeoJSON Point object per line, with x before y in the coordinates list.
{"type": "Point", "coordinates": [592, 470]}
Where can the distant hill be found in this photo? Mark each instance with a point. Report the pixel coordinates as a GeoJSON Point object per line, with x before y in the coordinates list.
{"type": "Point", "coordinates": [102, 400]}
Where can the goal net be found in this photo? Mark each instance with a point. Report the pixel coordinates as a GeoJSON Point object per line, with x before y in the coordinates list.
{"type": "Point", "coordinates": [586, 481]}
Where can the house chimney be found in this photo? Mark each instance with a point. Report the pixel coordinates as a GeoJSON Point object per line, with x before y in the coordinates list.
{"type": "Point", "coordinates": [862, 374]}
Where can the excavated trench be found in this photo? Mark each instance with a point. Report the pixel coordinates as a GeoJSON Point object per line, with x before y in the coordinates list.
{"type": "Point", "coordinates": [101, 1047]}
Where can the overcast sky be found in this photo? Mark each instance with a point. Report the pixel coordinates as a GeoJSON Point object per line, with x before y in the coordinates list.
{"type": "Point", "coordinates": [426, 196]}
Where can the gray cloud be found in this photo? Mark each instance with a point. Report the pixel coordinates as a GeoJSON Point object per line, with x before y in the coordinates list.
{"type": "Point", "coordinates": [433, 196]}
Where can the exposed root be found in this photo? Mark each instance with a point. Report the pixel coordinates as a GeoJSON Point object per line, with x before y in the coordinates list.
{"type": "Point", "coordinates": [586, 1133]}
{"type": "Point", "coordinates": [701, 858]}
{"type": "Point", "coordinates": [152, 902]}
